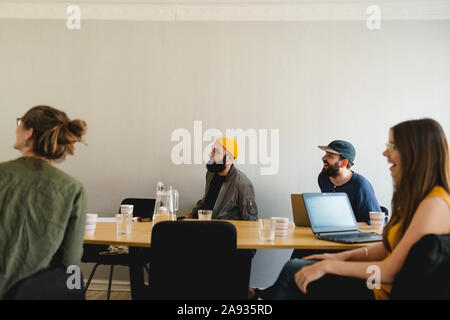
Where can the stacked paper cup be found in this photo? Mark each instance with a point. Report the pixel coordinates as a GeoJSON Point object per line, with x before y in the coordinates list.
{"type": "Point", "coordinates": [91, 222]}
{"type": "Point", "coordinates": [377, 219]}
{"type": "Point", "coordinates": [126, 208]}
{"type": "Point", "coordinates": [283, 227]}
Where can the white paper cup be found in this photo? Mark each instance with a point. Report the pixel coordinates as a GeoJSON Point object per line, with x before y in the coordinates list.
{"type": "Point", "coordinates": [91, 223]}
{"type": "Point", "coordinates": [204, 214]}
{"type": "Point", "coordinates": [377, 219]}
{"type": "Point", "coordinates": [283, 227]}
{"type": "Point", "coordinates": [126, 208]}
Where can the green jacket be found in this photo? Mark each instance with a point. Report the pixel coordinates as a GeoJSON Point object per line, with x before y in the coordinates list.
{"type": "Point", "coordinates": [42, 219]}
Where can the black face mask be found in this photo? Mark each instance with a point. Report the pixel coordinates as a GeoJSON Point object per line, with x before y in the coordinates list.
{"type": "Point", "coordinates": [212, 166]}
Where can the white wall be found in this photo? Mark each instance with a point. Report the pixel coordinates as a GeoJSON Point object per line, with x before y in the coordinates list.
{"type": "Point", "coordinates": [136, 82]}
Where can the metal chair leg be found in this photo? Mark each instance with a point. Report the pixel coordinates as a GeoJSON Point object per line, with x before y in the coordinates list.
{"type": "Point", "coordinates": [90, 277]}
{"type": "Point", "coordinates": [110, 282]}
{"type": "Point", "coordinates": [147, 268]}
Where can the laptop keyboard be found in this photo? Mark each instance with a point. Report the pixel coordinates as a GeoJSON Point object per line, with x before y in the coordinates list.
{"type": "Point", "coordinates": [352, 238]}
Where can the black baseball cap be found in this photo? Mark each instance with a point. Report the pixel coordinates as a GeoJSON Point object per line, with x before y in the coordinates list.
{"type": "Point", "coordinates": [341, 147]}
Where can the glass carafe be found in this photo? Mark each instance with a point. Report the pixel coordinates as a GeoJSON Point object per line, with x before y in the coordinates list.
{"type": "Point", "coordinates": [166, 204]}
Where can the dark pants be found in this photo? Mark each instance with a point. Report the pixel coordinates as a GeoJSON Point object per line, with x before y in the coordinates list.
{"type": "Point", "coordinates": [267, 293]}
{"type": "Point", "coordinates": [304, 253]}
{"type": "Point", "coordinates": [328, 287]}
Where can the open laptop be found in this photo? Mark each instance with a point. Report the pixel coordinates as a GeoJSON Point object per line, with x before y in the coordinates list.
{"type": "Point", "coordinates": [299, 211]}
{"type": "Point", "coordinates": [331, 217]}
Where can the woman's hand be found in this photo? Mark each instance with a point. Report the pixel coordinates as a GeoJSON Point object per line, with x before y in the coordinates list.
{"type": "Point", "coordinates": [324, 256]}
{"type": "Point", "coordinates": [310, 273]}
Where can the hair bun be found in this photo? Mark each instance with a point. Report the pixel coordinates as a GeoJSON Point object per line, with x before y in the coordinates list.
{"type": "Point", "coordinates": [77, 127]}
{"type": "Point", "coordinates": [54, 134]}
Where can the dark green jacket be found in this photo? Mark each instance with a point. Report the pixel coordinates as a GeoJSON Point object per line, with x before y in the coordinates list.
{"type": "Point", "coordinates": [236, 199]}
{"type": "Point", "coordinates": [42, 219]}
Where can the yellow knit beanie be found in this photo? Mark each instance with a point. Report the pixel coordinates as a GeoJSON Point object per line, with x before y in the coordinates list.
{"type": "Point", "coordinates": [230, 145]}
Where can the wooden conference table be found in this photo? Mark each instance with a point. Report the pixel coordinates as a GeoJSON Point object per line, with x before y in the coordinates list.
{"type": "Point", "coordinates": [247, 238]}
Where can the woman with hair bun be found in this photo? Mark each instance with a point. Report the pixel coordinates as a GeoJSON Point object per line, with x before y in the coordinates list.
{"type": "Point", "coordinates": [42, 209]}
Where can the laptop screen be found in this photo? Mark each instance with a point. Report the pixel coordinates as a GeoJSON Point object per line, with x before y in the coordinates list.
{"type": "Point", "coordinates": [329, 212]}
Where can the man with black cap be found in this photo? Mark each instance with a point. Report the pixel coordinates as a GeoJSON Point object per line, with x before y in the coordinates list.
{"type": "Point", "coordinates": [336, 176]}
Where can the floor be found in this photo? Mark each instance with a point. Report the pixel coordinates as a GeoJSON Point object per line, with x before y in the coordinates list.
{"type": "Point", "coordinates": [101, 295]}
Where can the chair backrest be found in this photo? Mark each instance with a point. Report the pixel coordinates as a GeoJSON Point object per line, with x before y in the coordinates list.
{"type": "Point", "coordinates": [386, 212]}
{"type": "Point", "coordinates": [47, 284]}
{"type": "Point", "coordinates": [197, 260]}
{"type": "Point", "coordinates": [425, 273]}
{"type": "Point", "coordinates": [142, 207]}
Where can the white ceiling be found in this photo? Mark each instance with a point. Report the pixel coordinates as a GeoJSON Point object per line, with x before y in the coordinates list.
{"type": "Point", "coordinates": [229, 10]}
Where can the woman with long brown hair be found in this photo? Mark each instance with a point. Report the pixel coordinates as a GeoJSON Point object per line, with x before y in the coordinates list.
{"type": "Point", "coordinates": [42, 209]}
{"type": "Point", "coordinates": [418, 152]}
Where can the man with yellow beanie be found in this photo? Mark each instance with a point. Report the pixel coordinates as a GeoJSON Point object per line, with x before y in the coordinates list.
{"type": "Point", "coordinates": [228, 192]}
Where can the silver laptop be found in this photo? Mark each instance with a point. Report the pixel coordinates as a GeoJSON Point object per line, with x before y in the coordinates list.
{"type": "Point", "coordinates": [331, 217]}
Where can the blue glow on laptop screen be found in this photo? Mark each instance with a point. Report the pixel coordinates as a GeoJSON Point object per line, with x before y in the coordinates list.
{"type": "Point", "coordinates": [329, 212]}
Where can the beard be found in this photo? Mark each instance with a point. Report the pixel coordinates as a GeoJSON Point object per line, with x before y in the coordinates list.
{"type": "Point", "coordinates": [332, 170]}
{"type": "Point", "coordinates": [212, 166]}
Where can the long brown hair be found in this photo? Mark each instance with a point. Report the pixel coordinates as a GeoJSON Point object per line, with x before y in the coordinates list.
{"type": "Point", "coordinates": [54, 134]}
{"type": "Point", "coordinates": [424, 155]}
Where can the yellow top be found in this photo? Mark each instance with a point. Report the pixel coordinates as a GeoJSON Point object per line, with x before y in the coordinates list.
{"type": "Point", "coordinates": [383, 293]}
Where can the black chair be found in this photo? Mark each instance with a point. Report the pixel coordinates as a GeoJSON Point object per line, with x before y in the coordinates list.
{"type": "Point", "coordinates": [97, 254]}
{"type": "Point", "coordinates": [143, 208]}
{"type": "Point", "coordinates": [197, 260]}
{"type": "Point", "coordinates": [386, 212]}
{"type": "Point", "coordinates": [47, 284]}
{"type": "Point", "coordinates": [425, 273]}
